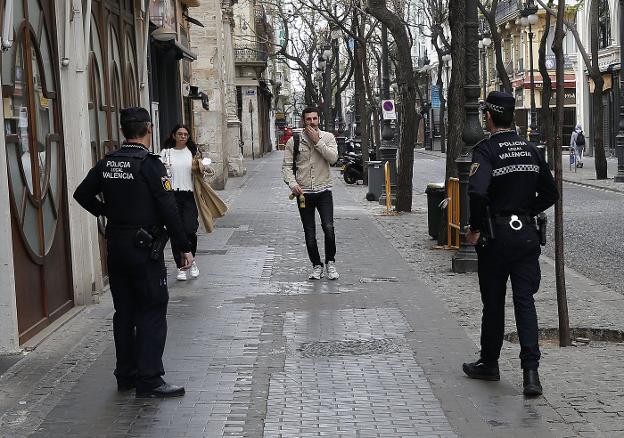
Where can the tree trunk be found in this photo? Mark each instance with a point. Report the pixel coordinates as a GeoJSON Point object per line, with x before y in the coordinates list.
{"type": "Point", "coordinates": [599, 152]}
{"type": "Point", "coordinates": [405, 81]}
{"type": "Point", "coordinates": [562, 301]}
{"type": "Point", "coordinates": [490, 16]}
{"type": "Point", "coordinates": [456, 114]}
{"type": "Point", "coordinates": [545, 112]}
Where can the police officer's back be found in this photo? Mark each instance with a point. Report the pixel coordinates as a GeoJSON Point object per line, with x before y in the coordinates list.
{"type": "Point", "coordinates": [510, 183]}
{"type": "Point", "coordinates": [130, 188]}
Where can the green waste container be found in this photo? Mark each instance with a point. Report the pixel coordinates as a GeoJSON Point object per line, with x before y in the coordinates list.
{"type": "Point", "coordinates": [436, 193]}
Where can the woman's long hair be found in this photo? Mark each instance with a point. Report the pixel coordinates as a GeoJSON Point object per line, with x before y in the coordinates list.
{"type": "Point", "coordinates": [170, 142]}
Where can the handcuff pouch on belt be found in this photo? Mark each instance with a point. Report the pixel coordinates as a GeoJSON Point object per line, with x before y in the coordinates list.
{"type": "Point", "coordinates": [542, 222]}
{"type": "Point", "coordinates": [155, 239]}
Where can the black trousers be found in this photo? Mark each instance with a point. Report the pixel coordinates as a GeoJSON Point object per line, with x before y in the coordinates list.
{"type": "Point", "coordinates": [140, 296]}
{"type": "Point", "coordinates": [515, 255]}
{"type": "Point", "coordinates": [190, 220]}
{"type": "Point", "coordinates": [324, 203]}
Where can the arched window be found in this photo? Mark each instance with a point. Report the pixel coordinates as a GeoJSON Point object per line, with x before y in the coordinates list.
{"type": "Point", "coordinates": [604, 24]}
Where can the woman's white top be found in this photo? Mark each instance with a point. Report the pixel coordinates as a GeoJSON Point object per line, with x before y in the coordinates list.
{"type": "Point", "coordinates": [179, 163]}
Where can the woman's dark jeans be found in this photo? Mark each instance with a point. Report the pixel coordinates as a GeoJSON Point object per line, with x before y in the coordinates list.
{"type": "Point", "coordinates": [324, 203]}
{"type": "Point", "coordinates": [190, 220]}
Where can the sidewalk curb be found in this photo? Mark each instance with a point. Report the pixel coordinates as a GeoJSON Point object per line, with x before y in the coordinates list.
{"type": "Point", "coordinates": [566, 180]}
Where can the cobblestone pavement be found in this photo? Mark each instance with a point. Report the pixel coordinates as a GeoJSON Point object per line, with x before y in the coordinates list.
{"type": "Point", "coordinates": [263, 352]}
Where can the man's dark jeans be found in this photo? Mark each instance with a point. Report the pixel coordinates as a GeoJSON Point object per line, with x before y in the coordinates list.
{"type": "Point", "coordinates": [324, 203]}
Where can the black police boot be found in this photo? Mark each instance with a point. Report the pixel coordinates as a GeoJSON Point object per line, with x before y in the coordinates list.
{"type": "Point", "coordinates": [163, 391]}
{"type": "Point", "coordinates": [531, 383]}
{"type": "Point", "coordinates": [482, 370]}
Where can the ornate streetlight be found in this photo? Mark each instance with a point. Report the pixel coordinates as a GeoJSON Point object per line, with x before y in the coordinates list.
{"type": "Point", "coordinates": [335, 35]}
{"type": "Point", "coordinates": [484, 42]}
{"type": "Point", "coordinates": [619, 149]}
{"type": "Point", "coordinates": [465, 259]}
{"type": "Point", "coordinates": [426, 107]}
{"type": "Point", "coordinates": [529, 18]}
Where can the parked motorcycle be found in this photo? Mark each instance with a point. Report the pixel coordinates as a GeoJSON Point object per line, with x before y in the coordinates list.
{"type": "Point", "coordinates": [353, 168]}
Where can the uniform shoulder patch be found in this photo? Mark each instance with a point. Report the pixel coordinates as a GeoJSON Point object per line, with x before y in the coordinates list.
{"type": "Point", "coordinates": [166, 183]}
{"type": "Point", "coordinates": [474, 168]}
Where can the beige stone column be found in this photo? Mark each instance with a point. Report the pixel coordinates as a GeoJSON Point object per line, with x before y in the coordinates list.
{"type": "Point", "coordinates": [235, 157]}
{"type": "Point", "coordinates": [208, 74]}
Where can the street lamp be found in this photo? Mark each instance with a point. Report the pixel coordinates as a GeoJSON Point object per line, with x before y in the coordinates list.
{"type": "Point", "coordinates": [324, 66]}
{"type": "Point", "coordinates": [335, 34]}
{"type": "Point", "coordinates": [529, 18]}
{"type": "Point", "coordinates": [619, 150]}
{"type": "Point", "coordinates": [484, 42]}
{"type": "Point", "coordinates": [465, 259]}
{"type": "Point", "coordinates": [426, 107]}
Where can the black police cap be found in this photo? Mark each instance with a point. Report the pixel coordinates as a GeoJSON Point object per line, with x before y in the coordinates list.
{"type": "Point", "coordinates": [134, 114]}
{"type": "Point", "coordinates": [499, 102]}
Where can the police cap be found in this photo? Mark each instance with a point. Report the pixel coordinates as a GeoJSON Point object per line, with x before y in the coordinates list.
{"type": "Point", "coordinates": [134, 114]}
{"type": "Point", "coordinates": [499, 102]}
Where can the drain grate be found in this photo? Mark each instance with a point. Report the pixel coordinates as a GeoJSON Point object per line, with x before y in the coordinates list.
{"type": "Point", "coordinates": [356, 347]}
{"type": "Point", "coordinates": [212, 251]}
{"type": "Point", "coordinates": [379, 280]}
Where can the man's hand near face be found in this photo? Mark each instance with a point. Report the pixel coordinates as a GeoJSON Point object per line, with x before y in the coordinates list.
{"type": "Point", "coordinates": [312, 134]}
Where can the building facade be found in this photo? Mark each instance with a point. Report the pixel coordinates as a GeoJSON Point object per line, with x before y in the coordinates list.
{"type": "Point", "coordinates": [67, 70]}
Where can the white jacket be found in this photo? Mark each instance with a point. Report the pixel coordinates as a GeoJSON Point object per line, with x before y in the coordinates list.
{"type": "Point", "coordinates": [313, 162]}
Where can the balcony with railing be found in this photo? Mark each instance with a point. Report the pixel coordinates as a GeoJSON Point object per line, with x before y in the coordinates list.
{"type": "Point", "coordinates": [507, 10]}
{"type": "Point", "coordinates": [250, 55]}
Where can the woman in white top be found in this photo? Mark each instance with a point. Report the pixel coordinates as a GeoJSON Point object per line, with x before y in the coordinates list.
{"type": "Point", "coordinates": [177, 154]}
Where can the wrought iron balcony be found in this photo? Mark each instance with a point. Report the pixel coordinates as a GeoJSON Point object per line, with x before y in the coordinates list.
{"type": "Point", "coordinates": [507, 10]}
{"type": "Point", "coordinates": [254, 55]}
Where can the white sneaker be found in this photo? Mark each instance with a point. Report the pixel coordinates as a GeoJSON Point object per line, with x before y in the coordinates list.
{"type": "Point", "coordinates": [332, 274]}
{"type": "Point", "coordinates": [181, 275]}
{"type": "Point", "coordinates": [317, 273]}
{"type": "Point", "coordinates": [194, 270]}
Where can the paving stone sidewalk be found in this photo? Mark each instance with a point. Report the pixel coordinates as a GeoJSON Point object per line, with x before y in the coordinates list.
{"type": "Point", "coordinates": [263, 352]}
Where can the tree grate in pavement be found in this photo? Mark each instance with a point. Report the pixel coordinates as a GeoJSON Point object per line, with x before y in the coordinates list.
{"type": "Point", "coordinates": [351, 347]}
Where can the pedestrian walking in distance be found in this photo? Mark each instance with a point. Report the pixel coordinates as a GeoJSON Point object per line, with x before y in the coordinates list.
{"type": "Point", "coordinates": [137, 202]}
{"type": "Point", "coordinates": [307, 159]}
{"type": "Point", "coordinates": [509, 185]}
{"type": "Point", "coordinates": [179, 154]}
{"type": "Point", "coordinates": [577, 144]}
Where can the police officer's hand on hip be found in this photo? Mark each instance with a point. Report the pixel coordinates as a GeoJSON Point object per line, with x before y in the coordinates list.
{"type": "Point", "coordinates": [509, 185]}
{"type": "Point", "coordinates": [130, 187]}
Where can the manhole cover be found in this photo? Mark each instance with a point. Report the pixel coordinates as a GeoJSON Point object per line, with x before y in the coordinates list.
{"type": "Point", "coordinates": [549, 337]}
{"type": "Point", "coordinates": [212, 251]}
{"type": "Point", "coordinates": [378, 280]}
{"type": "Point", "coordinates": [356, 347]}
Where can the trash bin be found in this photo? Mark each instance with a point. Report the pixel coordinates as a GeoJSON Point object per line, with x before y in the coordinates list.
{"type": "Point", "coordinates": [435, 195]}
{"type": "Point", "coordinates": [375, 180]}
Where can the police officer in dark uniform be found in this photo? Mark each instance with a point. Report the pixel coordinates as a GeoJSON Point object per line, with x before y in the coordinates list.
{"type": "Point", "coordinates": [137, 200]}
{"type": "Point", "coordinates": [510, 184]}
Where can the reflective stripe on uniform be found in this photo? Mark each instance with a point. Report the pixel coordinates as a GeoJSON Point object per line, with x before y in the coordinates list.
{"type": "Point", "coordinates": [515, 168]}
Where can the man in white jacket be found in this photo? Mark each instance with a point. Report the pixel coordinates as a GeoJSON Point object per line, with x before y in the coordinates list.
{"type": "Point", "coordinates": [307, 158]}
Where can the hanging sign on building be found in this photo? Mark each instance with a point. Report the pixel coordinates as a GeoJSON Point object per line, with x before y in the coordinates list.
{"type": "Point", "coordinates": [388, 110]}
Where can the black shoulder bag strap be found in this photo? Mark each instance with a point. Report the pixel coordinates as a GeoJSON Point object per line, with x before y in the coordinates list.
{"type": "Point", "coordinates": [296, 140]}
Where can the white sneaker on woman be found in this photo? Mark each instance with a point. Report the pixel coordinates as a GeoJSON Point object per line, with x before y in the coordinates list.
{"type": "Point", "coordinates": [181, 275]}
{"type": "Point", "coordinates": [194, 270]}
